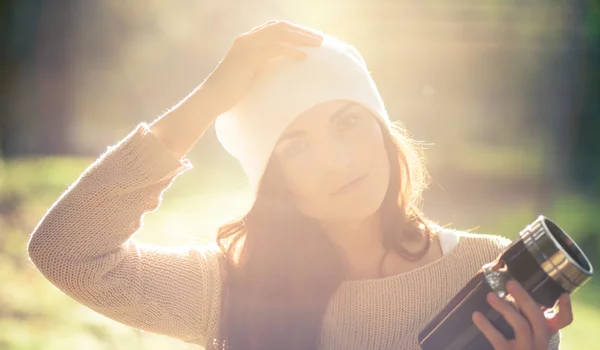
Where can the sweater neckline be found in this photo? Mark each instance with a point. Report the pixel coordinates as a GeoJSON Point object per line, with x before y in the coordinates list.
{"type": "Point", "coordinates": [448, 256]}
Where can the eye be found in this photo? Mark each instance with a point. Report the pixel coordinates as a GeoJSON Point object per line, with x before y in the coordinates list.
{"type": "Point", "coordinates": [294, 148]}
{"type": "Point", "coordinates": [348, 121]}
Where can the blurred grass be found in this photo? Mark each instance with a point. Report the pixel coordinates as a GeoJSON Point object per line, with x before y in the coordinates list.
{"type": "Point", "coordinates": [36, 315]}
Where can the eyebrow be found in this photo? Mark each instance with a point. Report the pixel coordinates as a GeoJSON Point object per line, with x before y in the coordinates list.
{"type": "Point", "coordinates": [334, 116]}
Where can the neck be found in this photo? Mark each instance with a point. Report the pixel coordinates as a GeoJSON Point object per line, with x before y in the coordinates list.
{"type": "Point", "coordinates": [352, 234]}
{"type": "Point", "coordinates": [361, 242]}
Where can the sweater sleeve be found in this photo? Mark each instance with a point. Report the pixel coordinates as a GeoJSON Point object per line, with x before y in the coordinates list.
{"type": "Point", "coordinates": [84, 245]}
{"type": "Point", "coordinates": [555, 341]}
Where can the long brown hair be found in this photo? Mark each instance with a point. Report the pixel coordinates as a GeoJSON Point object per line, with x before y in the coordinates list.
{"type": "Point", "coordinates": [281, 268]}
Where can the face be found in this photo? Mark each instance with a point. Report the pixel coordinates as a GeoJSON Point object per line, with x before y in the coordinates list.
{"type": "Point", "coordinates": [334, 162]}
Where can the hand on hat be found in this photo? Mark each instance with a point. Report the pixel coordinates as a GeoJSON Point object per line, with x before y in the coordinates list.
{"type": "Point", "coordinates": [250, 52]}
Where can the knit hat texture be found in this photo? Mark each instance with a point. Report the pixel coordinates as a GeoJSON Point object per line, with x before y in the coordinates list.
{"type": "Point", "coordinates": [332, 71]}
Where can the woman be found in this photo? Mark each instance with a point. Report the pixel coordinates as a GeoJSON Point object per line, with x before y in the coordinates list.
{"type": "Point", "coordinates": [333, 254]}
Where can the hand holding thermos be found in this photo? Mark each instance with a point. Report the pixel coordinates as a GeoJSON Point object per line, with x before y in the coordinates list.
{"type": "Point", "coordinates": [532, 327]}
{"type": "Point", "coordinates": [503, 307]}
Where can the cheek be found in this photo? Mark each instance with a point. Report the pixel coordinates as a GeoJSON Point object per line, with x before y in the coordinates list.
{"type": "Point", "coordinates": [307, 190]}
{"type": "Point", "coordinates": [379, 166]}
{"type": "Point", "coordinates": [374, 160]}
{"type": "Point", "coordinates": [303, 179]}
{"type": "Point", "coordinates": [370, 153]}
{"type": "Point", "coordinates": [305, 183]}
{"type": "Point", "coordinates": [370, 147]}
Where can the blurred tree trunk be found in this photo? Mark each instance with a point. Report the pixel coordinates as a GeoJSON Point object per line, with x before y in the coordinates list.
{"type": "Point", "coordinates": [52, 77]}
{"type": "Point", "coordinates": [34, 84]}
{"type": "Point", "coordinates": [559, 97]}
{"type": "Point", "coordinates": [585, 164]}
{"type": "Point", "coordinates": [18, 27]}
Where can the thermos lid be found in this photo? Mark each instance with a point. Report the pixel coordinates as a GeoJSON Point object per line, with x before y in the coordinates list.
{"type": "Point", "coordinates": [557, 254]}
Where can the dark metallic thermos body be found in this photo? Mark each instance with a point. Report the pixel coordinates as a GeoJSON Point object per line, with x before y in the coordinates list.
{"type": "Point", "coordinates": [544, 260]}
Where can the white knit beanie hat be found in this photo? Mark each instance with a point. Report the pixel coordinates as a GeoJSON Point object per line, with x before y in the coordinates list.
{"type": "Point", "coordinates": [333, 71]}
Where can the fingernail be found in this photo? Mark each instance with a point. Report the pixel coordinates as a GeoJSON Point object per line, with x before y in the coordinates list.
{"type": "Point", "coordinates": [492, 297]}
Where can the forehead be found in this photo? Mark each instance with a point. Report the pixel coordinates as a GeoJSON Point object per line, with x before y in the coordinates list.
{"type": "Point", "coordinates": [320, 114]}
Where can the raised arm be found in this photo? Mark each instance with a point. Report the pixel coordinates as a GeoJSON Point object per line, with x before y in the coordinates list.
{"type": "Point", "coordinates": [84, 243]}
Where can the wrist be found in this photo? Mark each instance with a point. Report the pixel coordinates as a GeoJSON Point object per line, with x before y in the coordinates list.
{"type": "Point", "coordinates": [205, 103]}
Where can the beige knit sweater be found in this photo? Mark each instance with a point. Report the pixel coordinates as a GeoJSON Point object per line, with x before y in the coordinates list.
{"type": "Point", "coordinates": [84, 246]}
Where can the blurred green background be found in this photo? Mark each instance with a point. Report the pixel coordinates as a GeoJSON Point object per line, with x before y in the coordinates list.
{"type": "Point", "coordinates": [506, 95]}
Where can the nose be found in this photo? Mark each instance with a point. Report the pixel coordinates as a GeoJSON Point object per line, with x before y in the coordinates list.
{"type": "Point", "coordinates": [334, 156]}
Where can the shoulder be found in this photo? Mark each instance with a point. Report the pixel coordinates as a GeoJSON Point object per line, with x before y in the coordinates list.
{"type": "Point", "coordinates": [487, 246]}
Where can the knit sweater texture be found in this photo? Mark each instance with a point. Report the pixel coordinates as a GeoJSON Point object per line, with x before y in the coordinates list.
{"type": "Point", "coordinates": [84, 245]}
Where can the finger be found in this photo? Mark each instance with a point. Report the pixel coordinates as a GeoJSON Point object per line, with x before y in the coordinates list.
{"type": "Point", "coordinates": [295, 37]}
{"type": "Point", "coordinates": [297, 28]}
{"type": "Point", "coordinates": [531, 309]}
{"type": "Point", "coordinates": [490, 332]}
{"type": "Point", "coordinates": [563, 317]}
{"type": "Point", "coordinates": [281, 50]}
{"type": "Point", "coordinates": [522, 329]}
{"type": "Point", "coordinates": [286, 32]}
{"type": "Point", "coordinates": [259, 27]}
{"type": "Point", "coordinates": [261, 38]}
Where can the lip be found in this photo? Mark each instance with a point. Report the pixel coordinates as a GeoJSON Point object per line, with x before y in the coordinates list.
{"type": "Point", "coordinates": [349, 186]}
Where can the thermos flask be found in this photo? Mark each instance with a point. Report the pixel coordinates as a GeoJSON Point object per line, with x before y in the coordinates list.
{"type": "Point", "coordinates": [544, 260]}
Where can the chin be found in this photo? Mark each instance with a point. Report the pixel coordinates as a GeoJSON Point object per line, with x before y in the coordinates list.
{"type": "Point", "coordinates": [360, 206]}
